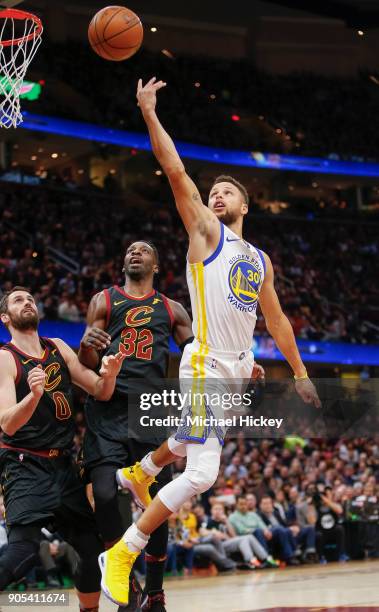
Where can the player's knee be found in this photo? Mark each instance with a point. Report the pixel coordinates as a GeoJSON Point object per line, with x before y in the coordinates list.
{"type": "Point", "coordinates": [104, 491]}
{"type": "Point", "coordinates": [206, 471]}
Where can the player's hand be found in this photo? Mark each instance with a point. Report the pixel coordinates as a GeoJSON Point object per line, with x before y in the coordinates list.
{"type": "Point", "coordinates": [258, 372]}
{"type": "Point", "coordinates": [307, 391]}
{"type": "Point", "coordinates": [111, 365]}
{"type": "Point", "coordinates": [36, 381]}
{"type": "Point", "coordinates": [147, 94]}
{"type": "Point", "coordinates": [96, 338]}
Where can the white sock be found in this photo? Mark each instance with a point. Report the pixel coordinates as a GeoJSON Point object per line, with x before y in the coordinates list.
{"type": "Point", "coordinates": [135, 539]}
{"type": "Point", "coordinates": [149, 467]}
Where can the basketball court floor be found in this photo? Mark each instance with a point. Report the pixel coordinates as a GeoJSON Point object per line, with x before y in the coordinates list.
{"type": "Point", "coordinates": [333, 588]}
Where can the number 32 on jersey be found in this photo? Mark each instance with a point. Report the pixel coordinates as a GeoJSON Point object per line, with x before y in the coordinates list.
{"type": "Point", "coordinates": [137, 342]}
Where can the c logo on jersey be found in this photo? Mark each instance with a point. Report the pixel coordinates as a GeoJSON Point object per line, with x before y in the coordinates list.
{"type": "Point", "coordinates": [245, 281]}
{"type": "Point", "coordinates": [132, 314]}
{"type": "Point", "coordinates": [51, 371]}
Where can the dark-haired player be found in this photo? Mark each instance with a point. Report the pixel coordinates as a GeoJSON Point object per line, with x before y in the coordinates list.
{"type": "Point", "coordinates": [38, 479]}
{"type": "Point", "coordinates": [226, 276]}
{"type": "Point", "coordinates": [138, 321]}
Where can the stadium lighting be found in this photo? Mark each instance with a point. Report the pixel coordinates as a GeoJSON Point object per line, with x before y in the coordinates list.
{"type": "Point", "coordinates": [153, 29]}
{"type": "Point", "coordinates": [361, 33]}
{"type": "Point", "coordinates": [167, 53]}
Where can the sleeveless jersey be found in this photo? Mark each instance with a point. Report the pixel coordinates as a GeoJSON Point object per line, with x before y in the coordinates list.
{"type": "Point", "coordinates": [224, 293]}
{"type": "Point", "coordinates": [140, 328]}
{"type": "Point", "coordinates": [52, 424]}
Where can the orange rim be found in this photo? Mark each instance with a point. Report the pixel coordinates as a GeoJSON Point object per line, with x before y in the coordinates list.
{"type": "Point", "coordinates": [21, 15]}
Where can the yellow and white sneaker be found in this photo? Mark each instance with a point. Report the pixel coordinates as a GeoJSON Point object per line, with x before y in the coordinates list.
{"type": "Point", "coordinates": [135, 480]}
{"type": "Point", "coordinates": [116, 565]}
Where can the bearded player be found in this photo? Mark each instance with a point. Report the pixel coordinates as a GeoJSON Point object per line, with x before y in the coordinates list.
{"type": "Point", "coordinates": [227, 278]}
{"type": "Point", "coordinates": [39, 481]}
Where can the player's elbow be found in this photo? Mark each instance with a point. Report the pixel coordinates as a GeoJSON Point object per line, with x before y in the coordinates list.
{"type": "Point", "coordinates": [103, 397]}
{"type": "Point", "coordinates": [102, 393]}
{"type": "Point", "coordinates": [176, 173]}
{"type": "Point", "coordinates": [7, 427]}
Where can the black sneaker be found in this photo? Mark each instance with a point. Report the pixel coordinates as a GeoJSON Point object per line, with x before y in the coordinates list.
{"type": "Point", "coordinates": [310, 557]}
{"type": "Point", "coordinates": [154, 602]}
{"type": "Point", "coordinates": [292, 562]}
{"type": "Point", "coordinates": [135, 597]}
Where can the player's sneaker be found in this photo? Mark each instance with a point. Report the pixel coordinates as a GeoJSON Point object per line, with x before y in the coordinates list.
{"type": "Point", "coordinates": [116, 565]}
{"type": "Point", "coordinates": [135, 480]}
{"type": "Point", "coordinates": [154, 602]}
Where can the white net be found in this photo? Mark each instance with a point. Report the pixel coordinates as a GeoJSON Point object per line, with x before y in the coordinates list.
{"type": "Point", "coordinates": [20, 38]}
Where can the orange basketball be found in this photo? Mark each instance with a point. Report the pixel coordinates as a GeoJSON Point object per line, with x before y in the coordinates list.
{"type": "Point", "coordinates": [115, 33]}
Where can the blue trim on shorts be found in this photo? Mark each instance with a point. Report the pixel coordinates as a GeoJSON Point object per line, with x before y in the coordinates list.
{"type": "Point", "coordinates": [198, 440]}
{"type": "Point", "coordinates": [262, 259]}
{"type": "Point", "coordinates": [218, 249]}
{"type": "Point", "coordinates": [191, 439]}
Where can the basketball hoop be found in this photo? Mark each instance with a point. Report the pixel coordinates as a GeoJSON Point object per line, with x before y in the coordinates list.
{"type": "Point", "coordinates": [20, 37]}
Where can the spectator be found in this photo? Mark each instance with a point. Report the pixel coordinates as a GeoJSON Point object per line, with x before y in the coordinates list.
{"type": "Point", "coordinates": [68, 310]}
{"type": "Point", "coordinates": [55, 556]}
{"type": "Point", "coordinates": [179, 546]}
{"type": "Point", "coordinates": [329, 513]}
{"type": "Point", "coordinates": [205, 545]}
{"type": "Point", "coordinates": [236, 468]}
{"type": "Point", "coordinates": [246, 522]}
{"type": "Point", "coordinates": [253, 553]}
{"type": "Point", "coordinates": [282, 536]}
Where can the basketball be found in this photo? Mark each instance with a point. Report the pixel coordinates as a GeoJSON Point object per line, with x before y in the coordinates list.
{"type": "Point", "coordinates": [115, 33]}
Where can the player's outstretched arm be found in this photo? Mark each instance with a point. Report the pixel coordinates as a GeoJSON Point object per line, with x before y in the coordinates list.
{"type": "Point", "coordinates": [13, 414]}
{"type": "Point", "coordinates": [281, 330]}
{"type": "Point", "coordinates": [100, 387]}
{"type": "Point", "coordinates": [187, 197]}
{"type": "Point", "coordinates": [95, 339]}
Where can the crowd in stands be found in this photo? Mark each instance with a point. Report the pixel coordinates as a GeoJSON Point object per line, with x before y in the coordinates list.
{"type": "Point", "coordinates": [281, 503]}
{"type": "Point", "coordinates": [325, 273]}
{"type": "Point", "coordinates": [307, 113]}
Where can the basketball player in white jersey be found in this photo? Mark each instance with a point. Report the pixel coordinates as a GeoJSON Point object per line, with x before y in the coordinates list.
{"type": "Point", "coordinates": [227, 277]}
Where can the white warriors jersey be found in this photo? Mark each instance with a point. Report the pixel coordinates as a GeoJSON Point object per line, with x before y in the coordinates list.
{"type": "Point", "coordinates": [224, 293]}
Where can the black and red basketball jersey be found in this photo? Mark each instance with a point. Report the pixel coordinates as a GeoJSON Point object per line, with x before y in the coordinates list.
{"type": "Point", "coordinates": [52, 424]}
{"type": "Point", "coordinates": [140, 328]}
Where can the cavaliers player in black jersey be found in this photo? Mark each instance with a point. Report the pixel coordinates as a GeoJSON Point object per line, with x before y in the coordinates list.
{"type": "Point", "coordinates": [39, 481]}
{"type": "Point", "coordinates": [138, 321]}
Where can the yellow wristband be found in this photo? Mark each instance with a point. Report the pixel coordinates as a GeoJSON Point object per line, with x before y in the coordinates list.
{"type": "Point", "coordinates": [304, 377]}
